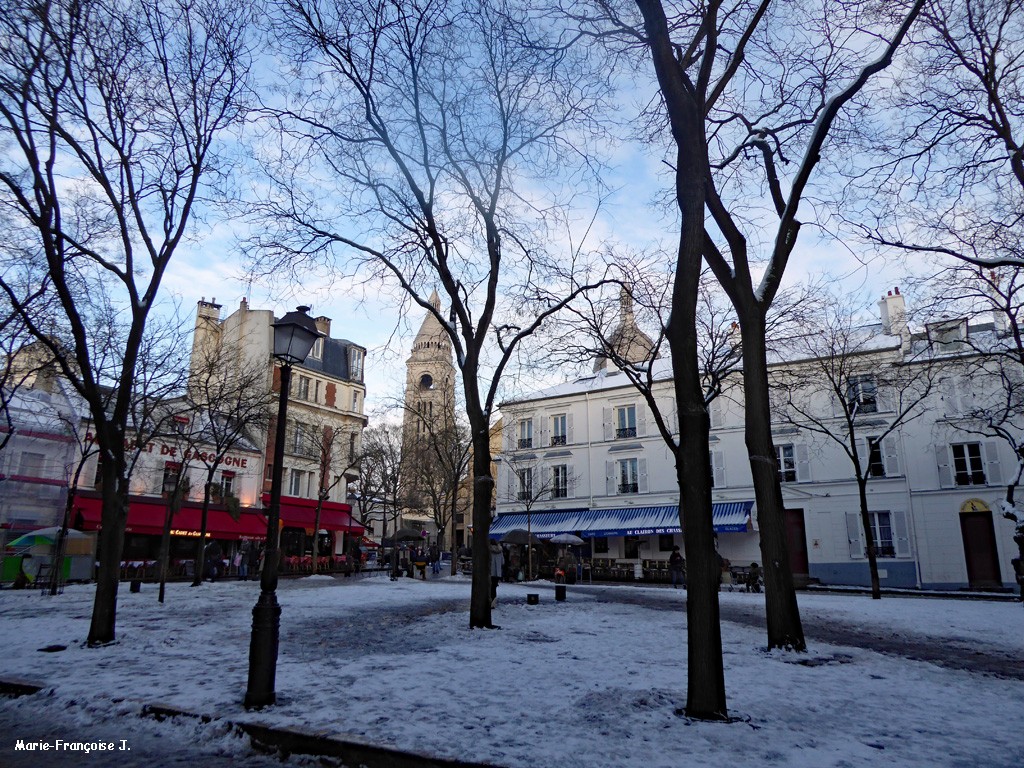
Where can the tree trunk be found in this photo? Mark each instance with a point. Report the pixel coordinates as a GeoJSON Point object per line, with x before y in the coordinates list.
{"type": "Point", "coordinates": [201, 544]}
{"type": "Point", "coordinates": [316, 530]}
{"type": "Point", "coordinates": [869, 536]}
{"type": "Point", "coordinates": [108, 576]}
{"type": "Point", "coordinates": [483, 488]}
{"type": "Point", "coordinates": [782, 612]}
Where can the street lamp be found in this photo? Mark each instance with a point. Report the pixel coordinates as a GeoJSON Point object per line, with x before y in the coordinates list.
{"type": "Point", "coordinates": [294, 336]}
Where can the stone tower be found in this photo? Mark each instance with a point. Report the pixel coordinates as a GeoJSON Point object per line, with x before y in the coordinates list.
{"type": "Point", "coordinates": [429, 380]}
{"type": "Point", "coordinates": [627, 340]}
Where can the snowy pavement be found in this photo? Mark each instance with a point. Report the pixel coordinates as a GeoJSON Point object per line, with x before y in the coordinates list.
{"type": "Point", "coordinates": [597, 681]}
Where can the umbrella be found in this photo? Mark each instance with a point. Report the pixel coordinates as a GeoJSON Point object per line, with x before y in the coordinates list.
{"type": "Point", "coordinates": [44, 536]}
{"type": "Point", "coordinates": [566, 538]}
{"type": "Point", "coordinates": [519, 536]}
{"type": "Point", "coordinates": [408, 534]}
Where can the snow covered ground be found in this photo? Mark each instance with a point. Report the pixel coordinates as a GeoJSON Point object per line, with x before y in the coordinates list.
{"type": "Point", "coordinates": [588, 682]}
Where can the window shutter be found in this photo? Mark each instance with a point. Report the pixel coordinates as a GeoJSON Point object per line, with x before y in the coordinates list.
{"type": "Point", "coordinates": [641, 467]}
{"type": "Point", "coordinates": [674, 410]}
{"type": "Point", "coordinates": [510, 436]}
{"type": "Point", "coordinates": [890, 456]}
{"type": "Point", "coordinates": [853, 532]}
{"type": "Point", "coordinates": [609, 471]}
{"type": "Point", "coordinates": [945, 470]}
{"type": "Point", "coordinates": [543, 430]}
{"type": "Point", "coordinates": [803, 463]}
{"type": "Point", "coordinates": [568, 429]}
{"type": "Point", "coordinates": [900, 534]}
{"type": "Point", "coordinates": [718, 468]}
{"type": "Point", "coordinates": [609, 427]}
{"type": "Point", "coordinates": [641, 420]}
{"type": "Point", "coordinates": [993, 476]}
{"type": "Point", "coordinates": [510, 483]}
{"type": "Point", "coordinates": [885, 399]}
{"type": "Point", "coordinates": [715, 413]}
{"type": "Point", "coordinates": [570, 482]}
{"type": "Point", "coordinates": [952, 407]}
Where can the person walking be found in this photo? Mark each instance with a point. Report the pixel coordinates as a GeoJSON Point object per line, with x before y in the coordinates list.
{"type": "Point", "coordinates": [242, 560]}
{"type": "Point", "coordinates": [676, 566]}
{"type": "Point", "coordinates": [497, 561]}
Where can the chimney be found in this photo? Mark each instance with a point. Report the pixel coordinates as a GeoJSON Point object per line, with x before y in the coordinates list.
{"type": "Point", "coordinates": [893, 311]}
{"type": "Point", "coordinates": [208, 310]}
{"type": "Point", "coordinates": [323, 324]}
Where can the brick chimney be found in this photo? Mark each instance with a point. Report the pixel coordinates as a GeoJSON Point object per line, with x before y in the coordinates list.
{"type": "Point", "coordinates": [323, 324]}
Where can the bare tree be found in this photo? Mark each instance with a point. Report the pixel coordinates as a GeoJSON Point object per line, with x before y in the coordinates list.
{"type": "Point", "coordinates": [382, 478]}
{"type": "Point", "coordinates": [847, 383]}
{"type": "Point", "coordinates": [453, 134]}
{"type": "Point", "coordinates": [110, 113]}
{"type": "Point", "coordinates": [338, 456]}
{"type": "Point", "coordinates": [226, 404]}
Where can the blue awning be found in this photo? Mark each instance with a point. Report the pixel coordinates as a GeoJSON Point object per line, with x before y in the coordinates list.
{"type": "Point", "coordinates": [729, 517]}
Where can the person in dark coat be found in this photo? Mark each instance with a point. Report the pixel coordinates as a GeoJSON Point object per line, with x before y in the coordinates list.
{"type": "Point", "coordinates": [676, 566]}
{"type": "Point", "coordinates": [213, 559]}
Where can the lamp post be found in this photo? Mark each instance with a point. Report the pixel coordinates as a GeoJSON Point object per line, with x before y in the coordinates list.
{"type": "Point", "coordinates": [294, 336]}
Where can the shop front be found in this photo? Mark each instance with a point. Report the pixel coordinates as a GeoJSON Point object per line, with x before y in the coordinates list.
{"type": "Point", "coordinates": [339, 535]}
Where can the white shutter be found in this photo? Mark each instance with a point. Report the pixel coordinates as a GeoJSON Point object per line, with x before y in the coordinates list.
{"type": "Point", "coordinates": [510, 483]}
{"type": "Point", "coordinates": [942, 462]}
{"type": "Point", "coordinates": [641, 420]}
{"type": "Point", "coordinates": [900, 533]}
{"type": "Point", "coordinates": [853, 533]}
{"type": "Point", "coordinates": [718, 468]}
{"type": "Point", "coordinates": [510, 436]}
{"type": "Point", "coordinates": [609, 426]}
{"type": "Point", "coordinates": [543, 432]}
{"type": "Point", "coordinates": [952, 406]}
{"type": "Point", "coordinates": [674, 410]}
{"type": "Point", "coordinates": [716, 414]}
{"type": "Point", "coordinates": [570, 482]}
{"type": "Point", "coordinates": [568, 429]}
{"type": "Point", "coordinates": [610, 481]}
{"type": "Point", "coordinates": [885, 399]}
{"type": "Point", "coordinates": [890, 456]}
{"type": "Point", "coordinates": [993, 475]}
{"type": "Point", "coordinates": [803, 463]}
{"type": "Point", "coordinates": [641, 466]}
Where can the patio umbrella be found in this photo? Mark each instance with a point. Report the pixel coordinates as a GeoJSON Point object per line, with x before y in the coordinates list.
{"type": "Point", "coordinates": [408, 534]}
{"type": "Point", "coordinates": [519, 536]}
{"type": "Point", "coordinates": [43, 536]}
{"type": "Point", "coordinates": [566, 538]}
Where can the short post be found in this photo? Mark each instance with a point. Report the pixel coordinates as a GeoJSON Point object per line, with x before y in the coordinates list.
{"type": "Point", "coordinates": [560, 592]}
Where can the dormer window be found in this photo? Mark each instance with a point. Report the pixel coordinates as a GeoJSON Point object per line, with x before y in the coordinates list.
{"type": "Point", "coordinates": [355, 364]}
{"type": "Point", "coordinates": [317, 353]}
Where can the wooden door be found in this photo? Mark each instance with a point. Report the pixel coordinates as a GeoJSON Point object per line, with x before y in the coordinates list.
{"type": "Point", "coordinates": [796, 542]}
{"type": "Point", "coordinates": [980, 549]}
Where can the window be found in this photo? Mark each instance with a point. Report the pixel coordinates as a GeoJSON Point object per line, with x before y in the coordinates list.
{"type": "Point", "coordinates": [559, 481]}
{"type": "Point", "coordinates": [317, 353]}
{"type": "Point", "coordinates": [355, 401]}
{"type": "Point", "coordinates": [600, 545]}
{"type": "Point", "coordinates": [180, 424]}
{"type": "Point", "coordinates": [559, 435]}
{"type": "Point", "coordinates": [786, 456]}
{"type": "Point", "coordinates": [881, 531]}
{"type": "Point", "coordinates": [967, 466]}
{"type": "Point", "coordinates": [526, 433]}
{"type": "Point", "coordinates": [31, 464]}
{"type": "Point", "coordinates": [666, 541]}
{"type": "Point", "coordinates": [355, 364]}
{"type": "Point", "coordinates": [525, 484]}
{"type": "Point", "coordinates": [629, 475]}
{"type": "Point", "coordinates": [302, 391]}
{"type": "Point", "coordinates": [716, 463]}
{"type": "Point", "coordinates": [269, 474]}
{"type": "Point", "coordinates": [862, 394]}
{"type": "Point", "coordinates": [171, 471]}
{"type": "Point", "coordinates": [295, 482]}
{"type": "Point", "coordinates": [298, 438]}
{"type": "Point", "coordinates": [227, 483]}
{"type": "Point", "coordinates": [316, 391]}
{"type": "Point", "coordinates": [351, 446]}
{"type": "Point", "coordinates": [625, 421]}
{"type": "Point", "coordinates": [631, 547]}
{"type": "Point", "coordinates": [876, 462]}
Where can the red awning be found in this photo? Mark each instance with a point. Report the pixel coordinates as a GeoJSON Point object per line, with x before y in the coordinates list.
{"type": "Point", "coordinates": [146, 516]}
{"type": "Point", "coordinates": [301, 513]}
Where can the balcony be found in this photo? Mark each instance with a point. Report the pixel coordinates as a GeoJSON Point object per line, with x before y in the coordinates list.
{"type": "Point", "coordinates": [629, 488]}
{"type": "Point", "coordinates": [558, 439]}
{"type": "Point", "coordinates": [525, 496]}
{"type": "Point", "coordinates": [526, 442]}
{"type": "Point", "coordinates": [625, 432]}
{"type": "Point", "coordinates": [559, 492]}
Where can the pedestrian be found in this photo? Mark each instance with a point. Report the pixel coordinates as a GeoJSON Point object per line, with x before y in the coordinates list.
{"type": "Point", "coordinates": [253, 557]}
{"type": "Point", "coordinates": [242, 560]}
{"type": "Point", "coordinates": [676, 567]}
{"type": "Point", "coordinates": [213, 558]}
{"type": "Point", "coordinates": [497, 561]}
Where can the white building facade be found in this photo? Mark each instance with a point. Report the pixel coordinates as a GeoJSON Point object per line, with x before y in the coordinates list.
{"type": "Point", "coordinates": [586, 457]}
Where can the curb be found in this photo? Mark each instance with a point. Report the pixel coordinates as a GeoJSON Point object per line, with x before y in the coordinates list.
{"type": "Point", "coordinates": [285, 741]}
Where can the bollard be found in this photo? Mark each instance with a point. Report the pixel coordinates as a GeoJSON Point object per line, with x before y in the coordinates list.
{"type": "Point", "coordinates": [136, 585]}
{"type": "Point", "coordinates": [532, 598]}
{"type": "Point", "coordinates": [559, 591]}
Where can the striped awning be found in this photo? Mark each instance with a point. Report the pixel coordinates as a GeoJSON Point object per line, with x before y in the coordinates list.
{"type": "Point", "coordinates": [728, 517]}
